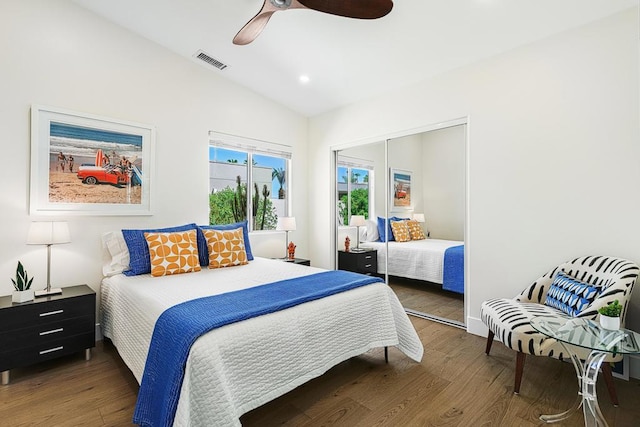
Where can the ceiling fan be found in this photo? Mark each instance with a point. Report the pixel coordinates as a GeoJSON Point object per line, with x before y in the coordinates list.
{"type": "Point", "coordinates": [361, 9]}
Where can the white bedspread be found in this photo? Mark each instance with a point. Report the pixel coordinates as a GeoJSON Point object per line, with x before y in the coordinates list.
{"type": "Point", "coordinates": [236, 368]}
{"type": "Point", "coordinates": [416, 259]}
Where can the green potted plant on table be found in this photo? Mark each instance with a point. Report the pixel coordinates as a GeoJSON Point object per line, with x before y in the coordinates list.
{"type": "Point", "coordinates": [22, 285]}
{"type": "Point", "coordinates": [610, 315]}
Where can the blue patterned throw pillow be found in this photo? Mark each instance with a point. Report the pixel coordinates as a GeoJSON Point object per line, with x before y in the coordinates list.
{"type": "Point", "coordinates": [569, 295]}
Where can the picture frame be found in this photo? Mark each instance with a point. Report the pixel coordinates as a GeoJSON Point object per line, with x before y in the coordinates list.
{"type": "Point", "coordinates": [400, 190]}
{"type": "Point", "coordinates": [84, 164]}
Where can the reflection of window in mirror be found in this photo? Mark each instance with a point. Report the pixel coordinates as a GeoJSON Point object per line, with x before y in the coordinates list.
{"type": "Point", "coordinates": [355, 185]}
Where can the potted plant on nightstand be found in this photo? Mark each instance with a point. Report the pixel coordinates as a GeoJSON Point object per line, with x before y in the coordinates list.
{"type": "Point", "coordinates": [610, 315]}
{"type": "Point", "coordinates": [22, 285]}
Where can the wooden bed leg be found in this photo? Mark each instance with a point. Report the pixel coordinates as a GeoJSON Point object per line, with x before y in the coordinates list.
{"type": "Point", "coordinates": [520, 356]}
{"type": "Point", "coordinates": [489, 341]}
{"type": "Point", "coordinates": [608, 379]}
{"type": "Point", "coordinates": [386, 355]}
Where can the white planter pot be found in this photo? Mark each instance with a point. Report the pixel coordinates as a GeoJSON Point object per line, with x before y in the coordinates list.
{"type": "Point", "coordinates": [610, 323]}
{"type": "Point", "coordinates": [22, 296]}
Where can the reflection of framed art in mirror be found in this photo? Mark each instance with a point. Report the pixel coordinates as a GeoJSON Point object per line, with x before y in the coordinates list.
{"type": "Point", "coordinates": [400, 190]}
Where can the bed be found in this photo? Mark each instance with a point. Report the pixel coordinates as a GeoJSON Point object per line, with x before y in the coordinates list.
{"type": "Point", "coordinates": [238, 367]}
{"type": "Point", "coordinates": [431, 260]}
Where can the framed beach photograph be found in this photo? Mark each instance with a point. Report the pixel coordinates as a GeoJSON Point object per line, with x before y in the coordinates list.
{"type": "Point", "coordinates": [89, 165]}
{"type": "Point", "coordinates": [400, 190]}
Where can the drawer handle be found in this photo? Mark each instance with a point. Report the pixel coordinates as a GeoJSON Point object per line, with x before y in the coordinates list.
{"type": "Point", "coordinates": [368, 257]}
{"type": "Point", "coordinates": [51, 313]}
{"type": "Point", "coordinates": [367, 265]}
{"type": "Point", "coordinates": [53, 331]}
{"type": "Point", "coordinates": [51, 350]}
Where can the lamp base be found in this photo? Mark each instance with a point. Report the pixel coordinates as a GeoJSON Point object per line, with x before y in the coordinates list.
{"type": "Point", "coordinates": [45, 293]}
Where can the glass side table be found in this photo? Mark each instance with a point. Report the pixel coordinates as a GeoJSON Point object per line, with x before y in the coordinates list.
{"type": "Point", "coordinates": [587, 334]}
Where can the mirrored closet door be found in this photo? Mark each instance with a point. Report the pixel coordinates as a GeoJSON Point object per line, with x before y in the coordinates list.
{"type": "Point", "coordinates": [413, 187]}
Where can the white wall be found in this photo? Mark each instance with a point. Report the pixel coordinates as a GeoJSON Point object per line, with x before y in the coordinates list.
{"type": "Point", "coordinates": [58, 54]}
{"type": "Point", "coordinates": [552, 157]}
{"type": "Point", "coordinates": [443, 177]}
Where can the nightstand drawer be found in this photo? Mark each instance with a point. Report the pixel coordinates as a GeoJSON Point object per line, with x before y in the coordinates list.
{"type": "Point", "coordinates": [43, 314]}
{"type": "Point", "coordinates": [368, 262]}
{"type": "Point", "coordinates": [27, 337]}
{"type": "Point", "coordinates": [45, 351]}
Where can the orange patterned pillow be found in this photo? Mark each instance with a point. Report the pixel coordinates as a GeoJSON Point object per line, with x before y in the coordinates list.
{"type": "Point", "coordinates": [173, 253]}
{"type": "Point", "coordinates": [400, 231]}
{"type": "Point", "coordinates": [416, 231]}
{"type": "Point", "coordinates": [226, 247]}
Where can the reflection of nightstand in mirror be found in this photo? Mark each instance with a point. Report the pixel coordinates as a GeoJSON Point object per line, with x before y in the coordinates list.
{"type": "Point", "coordinates": [365, 262]}
{"type": "Point", "coordinates": [300, 261]}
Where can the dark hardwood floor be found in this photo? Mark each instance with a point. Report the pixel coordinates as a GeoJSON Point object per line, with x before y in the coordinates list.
{"type": "Point", "coordinates": [456, 384]}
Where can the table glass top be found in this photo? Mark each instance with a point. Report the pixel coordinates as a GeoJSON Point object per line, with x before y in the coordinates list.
{"type": "Point", "coordinates": [588, 334]}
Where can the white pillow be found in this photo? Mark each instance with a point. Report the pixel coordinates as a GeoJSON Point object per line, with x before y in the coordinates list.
{"type": "Point", "coordinates": [113, 242]}
{"type": "Point", "coordinates": [371, 232]}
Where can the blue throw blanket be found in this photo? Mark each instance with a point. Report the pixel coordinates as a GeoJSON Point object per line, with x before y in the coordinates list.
{"type": "Point", "coordinates": [179, 326]}
{"type": "Point", "coordinates": [453, 269]}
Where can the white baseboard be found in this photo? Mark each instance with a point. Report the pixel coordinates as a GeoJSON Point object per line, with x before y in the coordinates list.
{"type": "Point", "coordinates": [476, 327]}
{"type": "Point", "coordinates": [98, 332]}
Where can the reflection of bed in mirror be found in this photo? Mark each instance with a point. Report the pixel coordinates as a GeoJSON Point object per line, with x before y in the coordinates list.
{"type": "Point", "coordinates": [432, 260]}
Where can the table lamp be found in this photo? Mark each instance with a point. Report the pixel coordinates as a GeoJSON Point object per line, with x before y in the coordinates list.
{"type": "Point", "coordinates": [286, 224]}
{"type": "Point", "coordinates": [48, 233]}
{"type": "Point", "coordinates": [357, 221]}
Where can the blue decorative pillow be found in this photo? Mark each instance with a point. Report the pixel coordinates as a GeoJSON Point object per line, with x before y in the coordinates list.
{"type": "Point", "coordinates": [569, 295]}
{"type": "Point", "coordinates": [203, 249]}
{"type": "Point", "coordinates": [389, 235]}
{"type": "Point", "coordinates": [139, 257]}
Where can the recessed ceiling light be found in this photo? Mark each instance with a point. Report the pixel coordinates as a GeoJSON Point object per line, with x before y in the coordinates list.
{"type": "Point", "coordinates": [304, 79]}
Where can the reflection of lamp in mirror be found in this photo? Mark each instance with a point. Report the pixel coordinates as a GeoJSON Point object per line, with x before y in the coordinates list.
{"type": "Point", "coordinates": [286, 224]}
{"type": "Point", "coordinates": [357, 221]}
{"type": "Point", "coordinates": [48, 233]}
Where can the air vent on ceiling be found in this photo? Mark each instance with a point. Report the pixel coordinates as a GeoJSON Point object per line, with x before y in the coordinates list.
{"type": "Point", "coordinates": [209, 60]}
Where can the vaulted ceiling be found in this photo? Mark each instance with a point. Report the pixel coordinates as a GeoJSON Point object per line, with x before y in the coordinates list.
{"type": "Point", "coordinates": [347, 60]}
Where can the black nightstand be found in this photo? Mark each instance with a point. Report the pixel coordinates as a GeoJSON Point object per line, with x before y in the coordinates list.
{"type": "Point", "coordinates": [46, 328]}
{"type": "Point", "coordinates": [361, 262]}
{"type": "Point", "coordinates": [300, 261]}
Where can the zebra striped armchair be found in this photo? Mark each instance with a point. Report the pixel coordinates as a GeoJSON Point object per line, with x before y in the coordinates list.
{"type": "Point", "coordinates": [509, 319]}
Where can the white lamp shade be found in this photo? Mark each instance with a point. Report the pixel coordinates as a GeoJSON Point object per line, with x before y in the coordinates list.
{"type": "Point", "coordinates": [286, 223]}
{"type": "Point", "coordinates": [48, 233]}
{"type": "Point", "coordinates": [357, 221]}
{"type": "Point", "coordinates": [418, 217]}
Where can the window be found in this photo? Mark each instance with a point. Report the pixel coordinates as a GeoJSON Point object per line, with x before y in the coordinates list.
{"type": "Point", "coordinates": [355, 188]}
{"type": "Point", "coordinates": [257, 193]}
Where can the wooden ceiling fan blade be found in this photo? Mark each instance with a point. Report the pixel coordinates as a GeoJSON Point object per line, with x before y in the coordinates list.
{"type": "Point", "coordinates": [253, 28]}
{"type": "Point", "coordinates": [361, 9]}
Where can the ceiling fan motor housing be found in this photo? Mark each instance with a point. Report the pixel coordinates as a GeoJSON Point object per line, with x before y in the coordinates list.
{"type": "Point", "coordinates": [281, 4]}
